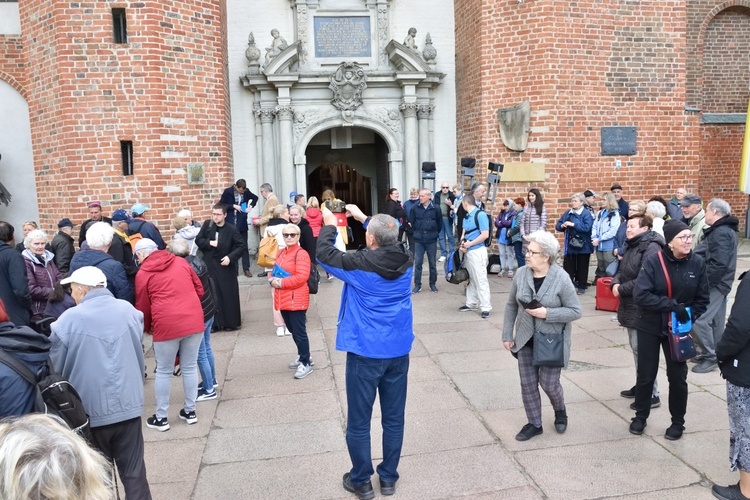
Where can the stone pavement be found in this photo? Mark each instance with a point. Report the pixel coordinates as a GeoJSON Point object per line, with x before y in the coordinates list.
{"type": "Point", "coordinates": [269, 436]}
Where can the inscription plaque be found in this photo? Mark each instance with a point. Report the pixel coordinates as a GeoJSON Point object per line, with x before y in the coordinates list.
{"type": "Point", "coordinates": [618, 141]}
{"type": "Point", "coordinates": [342, 36]}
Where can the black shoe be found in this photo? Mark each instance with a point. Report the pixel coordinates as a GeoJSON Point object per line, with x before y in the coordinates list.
{"type": "Point", "coordinates": [561, 421]}
{"type": "Point", "coordinates": [528, 431]}
{"type": "Point", "coordinates": [363, 491]}
{"type": "Point", "coordinates": [248, 274]}
{"type": "Point", "coordinates": [731, 492]}
{"type": "Point", "coordinates": [160, 425]}
{"type": "Point", "coordinates": [630, 393]}
{"type": "Point", "coordinates": [262, 275]}
{"type": "Point", "coordinates": [416, 289]}
{"type": "Point", "coordinates": [674, 432]}
{"type": "Point", "coordinates": [637, 426]}
{"type": "Point", "coordinates": [387, 488]}
{"type": "Point", "coordinates": [655, 403]}
{"type": "Point", "coordinates": [189, 417]}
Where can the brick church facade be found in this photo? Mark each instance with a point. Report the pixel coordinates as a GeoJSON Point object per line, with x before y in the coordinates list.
{"type": "Point", "coordinates": [676, 70]}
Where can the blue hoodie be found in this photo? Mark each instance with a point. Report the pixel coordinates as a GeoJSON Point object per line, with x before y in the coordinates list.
{"type": "Point", "coordinates": [32, 348]}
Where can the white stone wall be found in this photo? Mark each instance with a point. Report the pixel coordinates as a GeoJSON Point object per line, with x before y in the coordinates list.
{"type": "Point", "coordinates": [433, 16]}
{"type": "Point", "coordinates": [10, 20]}
{"type": "Point", "coordinates": [17, 163]}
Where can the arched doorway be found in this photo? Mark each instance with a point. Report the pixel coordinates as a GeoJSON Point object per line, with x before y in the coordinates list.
{"type": "Point", "coordinates": [353, 162]}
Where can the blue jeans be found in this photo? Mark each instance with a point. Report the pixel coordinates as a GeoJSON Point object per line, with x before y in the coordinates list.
{"type": "Point", "coordinates": [419, 251]}
{"type": "Point", "coordinates": [206, 358]}
{"type": "Point", "coordinates": [520, 257]}
{"type": "Point", "coordinates": [365, 377]}
{"type": "Point", "coordinates": [446, 234]}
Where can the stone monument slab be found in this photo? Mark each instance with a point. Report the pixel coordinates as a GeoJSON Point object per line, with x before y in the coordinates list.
{"type": "Point", "coordinates": [618, 140]}
{"type": "Point", "coordinates": [342, 36]}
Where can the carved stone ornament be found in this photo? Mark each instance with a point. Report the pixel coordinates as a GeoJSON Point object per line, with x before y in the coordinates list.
{"type": "Point", "coordinates": [347, 84]}
{"type": "Point", "coordinates": [429, 52]}
{"type": "Point", "coordinates": [252, 54]}
{"type": "Point", "coordinates": [410, 41]}
{"type": "Point", "coordinates": [284, 112]}
{"type": "Point", "coordinates": [277, 46]}
{"type": "Point", "coordinates": [409, 109]}
{"type": "Point", "coordinates": [514, 125]}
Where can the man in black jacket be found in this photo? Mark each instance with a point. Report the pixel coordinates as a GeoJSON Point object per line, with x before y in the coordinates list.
{"type": "Point", "coordinates": [63, 246]}
{"type": "Point", "coordinates": [426, 221]}
{"type": "Point", "coordinates": [240, 201]}
{"type": "Point", "coordinates": [14, 285]}
{"type": "Point", "coordinates": [719, 249]}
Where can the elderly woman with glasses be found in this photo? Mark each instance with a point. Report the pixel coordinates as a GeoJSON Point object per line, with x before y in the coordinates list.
{"type": "Point", "coordinates": [542, 298]}
{"type": "Point", "coordinates": [292, 297]}
{"type": "Point", "coordinates": [670, 281]}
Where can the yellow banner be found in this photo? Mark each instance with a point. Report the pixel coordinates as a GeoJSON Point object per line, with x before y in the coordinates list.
{"type": "Point", "coordinates": [745, 166]}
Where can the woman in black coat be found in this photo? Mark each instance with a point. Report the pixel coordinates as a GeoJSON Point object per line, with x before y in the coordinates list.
{"type": "Point", "coordinates": [641, 242]}
{"type": "Point", "coordinates": [733, 353]}
{"type": "Point", "coordinates": [394, 209]}
{"type": "Point", "coordinates": [687, 273]}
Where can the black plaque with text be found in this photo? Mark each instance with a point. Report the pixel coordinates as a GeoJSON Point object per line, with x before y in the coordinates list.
{"type": "Point", "coordinates": [618, 141]}
{"type": "Point", "coordinates": [342, 36]}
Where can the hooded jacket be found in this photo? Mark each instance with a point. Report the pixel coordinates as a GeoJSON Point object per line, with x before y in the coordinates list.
{"type": "Point", "coordinates": [32, 348]}
{"type": "Point", "coordinates": [97, 347]}
{"type": "Point", "coordinates": [14, 285]}
{"type": "Point", "coordinates": [638, 248]}
{"type": "Point", "coordinates": [168, 293]}
{"type": "Point", "coordinates": [315, 217]}
{"type": "Point", "coordinates": [689, 287]}
{"type": "Point", "coordinates": [733, 349]}
{"type": "Point", "coordinates": [42, 275]}
{"type": "Point", "coordinates": [117, 279]}
{"type": "Point", "coordinates": [375, 316]}
{"type": "Point", "coordinates": [719, 248]}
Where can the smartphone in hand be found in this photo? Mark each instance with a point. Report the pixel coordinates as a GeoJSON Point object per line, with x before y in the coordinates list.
{"type": "Point", "coordinates": [534, 304]}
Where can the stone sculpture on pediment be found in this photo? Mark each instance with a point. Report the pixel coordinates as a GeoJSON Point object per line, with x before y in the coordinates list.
{"type": "Point", "coordinates": [410, 41]}
{"type": "Point", "coordinates": [277, 46]}
{"type": "Point", "coordinates": [347, 84]}
{"type": "Point", "coordinates": [514, 125]}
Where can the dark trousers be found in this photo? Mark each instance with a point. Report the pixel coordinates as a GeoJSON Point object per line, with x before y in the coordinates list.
{"type": "Point", "coordinates": [577, 267]}
{"type": "Point", "coordinates": [419, 250]}
{"type": "Point", "coordinates": [648, 366]}
{"type": "Point", "coordinates": [364, 378]}
{"type": "Point", "coordinates": [245, 254]}
{"type": "Point", "coordinates": [520, 257]}
{"type": "Point", "coordinates": [295, 322]}
{"type": "Point", "coordinates": [410, 241]}
{"type": "Point", "coordinates": [123, 443]}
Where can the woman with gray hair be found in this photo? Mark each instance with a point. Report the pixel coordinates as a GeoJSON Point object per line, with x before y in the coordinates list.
{"type": "Point", "coordinates": [542, 298]}
{"type": "Point", "coordinates": [657, 211]}
{"type": "Point", "coordinates": [576, 223]}
{"type": "Point", "coordinates": [41, 273]}
{"type": "Point", "coordinates": [41, 458]}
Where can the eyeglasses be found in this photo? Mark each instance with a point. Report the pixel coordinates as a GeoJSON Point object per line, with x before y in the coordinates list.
{"type": "Point", "coordinates": [444, 187]}
{"type": "Point", "coordinates": [686, 238]}
{"type": "Point", "coordinates": [531, 252]}
{"type": "Point", "coordinates": [290, 235]}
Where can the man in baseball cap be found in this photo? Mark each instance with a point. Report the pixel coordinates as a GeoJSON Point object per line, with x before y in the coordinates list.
{"type": "Point", "coordinates": [84, 339]}
{"type": "Point", "coordinates": [63, 245]}
{"type": "Point", "coordinates": [141, 228]}
{"type": "Point", "coordinates": [695, 216]}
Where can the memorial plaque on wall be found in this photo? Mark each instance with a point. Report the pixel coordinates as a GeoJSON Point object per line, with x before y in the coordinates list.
{"type": "Point", "coordinates": [342, 36]}
{"type": "Point", "coordinates": [618, 141]}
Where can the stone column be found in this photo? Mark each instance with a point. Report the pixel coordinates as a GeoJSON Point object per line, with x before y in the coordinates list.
{"type": "Point", "coordinates": [258, 145]}
{"type": "Point", "coordinates": [411, 148]}
{"type": "Point", "coordinates": [431, 127]}
{"type": "Point", "coordinates": [286, 154]}
{"type": "Point", "coordinates": [423, 113]}
{"type": "Point", "coordinates": [269, 158]}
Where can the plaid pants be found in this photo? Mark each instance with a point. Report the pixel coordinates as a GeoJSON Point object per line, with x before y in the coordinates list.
{"type": "Point", "coordinates": [532, 377]}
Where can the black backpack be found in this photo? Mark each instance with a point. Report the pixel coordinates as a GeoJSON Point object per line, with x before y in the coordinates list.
{"type": "Point", "coordinates": [454, 268]}
{"type": "Point", "coordinates": [488, 241]}
{"type": "Point", "coordinates": [54, 395]}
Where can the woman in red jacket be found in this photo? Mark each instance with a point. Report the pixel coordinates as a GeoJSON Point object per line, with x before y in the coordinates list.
{"type": "Point", "coordinates": [292, 297]}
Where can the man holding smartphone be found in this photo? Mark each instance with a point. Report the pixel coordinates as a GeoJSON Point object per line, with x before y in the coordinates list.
{"type": "Point", "coordinates": [476, 229]}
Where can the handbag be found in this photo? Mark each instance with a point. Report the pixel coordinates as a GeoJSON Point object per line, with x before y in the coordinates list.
{"type": "Point", "coordinates": [613, 267]}
{"type": "Point", "coordinates": [268, 249]}
{"type": "Point", "coordinates": [576, 241]}
{"type": "Point", "coordinates": [549, 348]}
{"type": "Point", "coordinates": [681, 344]}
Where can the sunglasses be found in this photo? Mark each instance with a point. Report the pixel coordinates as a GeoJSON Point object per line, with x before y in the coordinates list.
{"type": "Point", "coordinates": [290, 235]}
{"type": "Point", "coordinates": [444, 187]}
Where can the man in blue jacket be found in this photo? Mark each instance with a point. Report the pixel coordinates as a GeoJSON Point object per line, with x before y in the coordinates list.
{"type": "Point", "coordinates": [240, 201]}
{"type": "Point", "coordinates": [426, 223]}
{"type": "Point", "coordinates": [375, 330]}
{"type": "Point", "coordinates": [97, 347]}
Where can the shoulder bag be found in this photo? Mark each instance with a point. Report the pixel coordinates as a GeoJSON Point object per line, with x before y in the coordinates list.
{"type": "Point", "coordinates": [267, 250]}
{"type": "Point", "coordinates": [549, 348]}
{"type": "Point", "coordinates": [681, 345]}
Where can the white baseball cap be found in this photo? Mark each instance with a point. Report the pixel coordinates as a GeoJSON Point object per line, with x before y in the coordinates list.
{"type": "Point", "coordinates": [88, 276]}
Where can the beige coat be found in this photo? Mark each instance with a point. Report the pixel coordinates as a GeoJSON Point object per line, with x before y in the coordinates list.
{"type": "Point", "coordinates": [267, 212]}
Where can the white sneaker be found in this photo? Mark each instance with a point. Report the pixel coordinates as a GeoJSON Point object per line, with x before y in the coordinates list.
{"type": "Point", "coordinates": [441, 259]}
{"type": "Point", "coordinates": [280, 331]}
{"type": "Point", "coordinates": [287, 332]}
{"type": "Point", "coordinates": [294, 364]}
{"type": "Point", "coordinates": [303, 371]}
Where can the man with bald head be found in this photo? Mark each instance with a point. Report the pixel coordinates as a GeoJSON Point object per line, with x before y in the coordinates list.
{"type": "Point", "coordinates": [426, 220]}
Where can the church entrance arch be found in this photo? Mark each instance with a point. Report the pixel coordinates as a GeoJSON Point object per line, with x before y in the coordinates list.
{"type": "Point", "coordinates": [353, 162]}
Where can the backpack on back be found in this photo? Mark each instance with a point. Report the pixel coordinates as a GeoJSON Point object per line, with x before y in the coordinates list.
{"type": "Point", "coordinates": [53, 395]}
{"type": "Point", "coordinates": [454, 268]}
{"type": "Point", "coordinates": [136, 237]}
{"type": "Point", "coordinates": [488, 241]}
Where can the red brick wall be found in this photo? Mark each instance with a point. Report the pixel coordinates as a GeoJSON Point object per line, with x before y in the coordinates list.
{"type": "Point", "coordinates": [726, 67]}
{"type": "Point", "coordinates": [13, 62]}
{"type": "Point", "coordinates": [165, 90]}
{"type": "Point", "coordinates": [720, 163]}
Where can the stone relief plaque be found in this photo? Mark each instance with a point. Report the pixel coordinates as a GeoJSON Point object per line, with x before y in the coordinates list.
{"type": "Point", "coordinates": [196, 173]}
{"type": "Point", "coordinates": [342, 36]}
{"type": "Point", "coordinates": [618, 140]}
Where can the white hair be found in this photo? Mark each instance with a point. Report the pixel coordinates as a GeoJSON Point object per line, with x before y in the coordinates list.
{"type": "Point", "coordinates": [185, 214]}
{"type": "Point", "coordinates": [656, 209]}
{"type": "Point", "coordinates": [35, 235]}
{"type": "Point", "coordinates": [548, 244]}
{"type": "Point", "coordinates": [99, 235]}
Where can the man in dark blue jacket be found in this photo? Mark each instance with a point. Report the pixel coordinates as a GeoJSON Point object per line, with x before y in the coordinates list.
{"type": "Point", "coordinates": [240, 201]}
{"type": "Point", "coordinates": [426, 222]}
{"type": "Point", "coordinates": [14, 285]}
{"type": "Point", "coordinates": [375, 330]}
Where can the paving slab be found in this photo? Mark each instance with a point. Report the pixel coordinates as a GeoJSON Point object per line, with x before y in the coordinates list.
{"type": "Point", "coordinates": [277, 409]}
